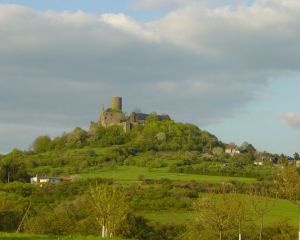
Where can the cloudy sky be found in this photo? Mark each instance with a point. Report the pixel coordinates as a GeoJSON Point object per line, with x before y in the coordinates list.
{"type": "Point", "coordinates": [230, 66]}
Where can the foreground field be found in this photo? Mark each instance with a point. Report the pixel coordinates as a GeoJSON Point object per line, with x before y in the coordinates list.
{"type": "Point", "coordinates": [279, 210]}
{"type": "Point", "coordinates": [129, 174]}
{"type": "Point", "coordinates": [20, 236]}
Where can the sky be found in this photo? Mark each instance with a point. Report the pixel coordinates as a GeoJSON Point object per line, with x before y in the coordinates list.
{"type": "Point", "coordinates": [229, 66]}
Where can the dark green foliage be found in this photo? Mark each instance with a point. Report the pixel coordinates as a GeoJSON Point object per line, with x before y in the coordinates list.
{"type": "Point", "coordinates": [154, 135]}
{"type": "Point", "coordinates": [280, 230]}
{"type": "Point", "coordinates": [240, 165]}
{"type": "Point", "coordinates": [296, 156]}
{"type": "Point", "coordinates": [247, 148]}
{"type": "Point", "coordinates": [138, 228]}
{"type": "Point", "coordinates": [76, 139]}
{"type": "Point", "coordinates": [168, 135]}
{"type": "Point", "coordinates": [12, 168]}
{"type": "Point", "coordinates": [42, 144]}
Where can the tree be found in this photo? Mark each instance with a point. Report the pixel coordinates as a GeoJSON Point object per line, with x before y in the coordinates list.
{"type": "Point", "coordinates": [9, 216]}
{"type": "Point", "coordinates": [218, 151]}
{"type": "Point", "coordinates": [215, 212]}
{"type": "Point", "coordinates": [296, 156]}
{"type": "Point", "coordinates": [110, 207]}
{"type": "Point", "coordinates": [247, 148]}
{"type": "Point", "coordinates": [41, 144]}
{"type": "Point", "coordinates": [77, 138]}
{"type": "Point", "coordinates": [261, 205]}
{"type": "Point", "coordinates": [239, 207]}
{"type": "Point", "coordinates": [12, 168]}
{"type": "Point", "coordinates": [288, 181]}
{"type": "Point", "coordinates": [227, 212]}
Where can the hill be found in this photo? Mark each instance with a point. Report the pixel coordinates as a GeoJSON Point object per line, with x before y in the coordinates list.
{"type": "Point", "coordinates": [164, 168]}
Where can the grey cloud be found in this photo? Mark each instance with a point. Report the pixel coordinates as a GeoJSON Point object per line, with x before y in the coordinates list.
{"type": "Point", "coordinates": [146, 5]}
{"type": "Point", "coordinates": [198, 64]}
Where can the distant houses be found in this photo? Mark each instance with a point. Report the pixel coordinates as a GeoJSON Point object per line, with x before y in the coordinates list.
{"type": "Point", "coordinates": [232, 149]}
{"type": "Point", "coordinates": [45, 180]}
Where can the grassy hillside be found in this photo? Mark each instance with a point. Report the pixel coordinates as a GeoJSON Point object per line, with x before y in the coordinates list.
{"type": "Point", "coordinates": [161, 169]}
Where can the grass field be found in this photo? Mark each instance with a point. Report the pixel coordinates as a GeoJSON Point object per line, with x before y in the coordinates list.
{"type": "Point", "coordinates": [132, 173]}
{"type": "Point", "coordinates": [279, 210]}
{"type": "Point", "coordinates": [20, 236]}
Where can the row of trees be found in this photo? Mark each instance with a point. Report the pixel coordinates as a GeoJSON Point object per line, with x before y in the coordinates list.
{"type": "Point", "coordinates": [79, 138]}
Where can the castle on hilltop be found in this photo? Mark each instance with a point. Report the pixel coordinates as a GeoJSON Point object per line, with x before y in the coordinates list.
{"type": "Point", "coordinates": [115, 116]}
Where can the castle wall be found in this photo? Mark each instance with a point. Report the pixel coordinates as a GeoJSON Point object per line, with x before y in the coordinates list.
{"type": "Point", "coordinates": [115, 116]}
{"type": "Point", "coordinates": [111, 118]}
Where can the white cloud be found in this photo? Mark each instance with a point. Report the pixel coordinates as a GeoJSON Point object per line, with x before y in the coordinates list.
{"type": "Point", "coordinates": [199, 64]}
{"type": "Point", "coordinates": [291, 119]}
{"type": "Point", "coordinates": [127, 24]}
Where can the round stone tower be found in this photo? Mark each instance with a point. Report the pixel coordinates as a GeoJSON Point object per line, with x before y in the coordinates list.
{"type": "Point", "coordinates": [116, 103]}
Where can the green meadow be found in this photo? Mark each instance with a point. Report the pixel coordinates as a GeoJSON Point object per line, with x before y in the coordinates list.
{"type": "Point", "coordinates": [129, 174]}
{"type": "Point", "coordinates": [279, 210]}
{"type": "Point", "coordinates": [20, 236]}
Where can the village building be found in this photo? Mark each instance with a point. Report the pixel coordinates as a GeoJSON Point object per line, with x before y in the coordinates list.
{"type": "Point", "coordinates": [54, 180]}
{"type": "Point", "coordinates": [43, 180]}
{"type": "Point", "coordinates": [232, 149]}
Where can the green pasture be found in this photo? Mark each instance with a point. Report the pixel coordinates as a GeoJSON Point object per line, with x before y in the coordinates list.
{"type": "Point", "coordinates": [279, 210]}
{"type": "Point", "coordinates": [20, 236]}
{"type": "Point", "coordinates": [129, 174]}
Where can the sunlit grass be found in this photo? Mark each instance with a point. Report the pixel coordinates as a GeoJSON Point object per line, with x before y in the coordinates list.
{"type": "Point", "coordinates": [133, 173]}
{"type": "Point", "coordinates": [20, 236]}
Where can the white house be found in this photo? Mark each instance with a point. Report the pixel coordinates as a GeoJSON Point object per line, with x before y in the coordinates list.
{"type": "Point", "coordinates": [259, 162]}
{"type": "Point", "coordinates": [232, 149]}
{"type": "Point", "coordinates": [43, 180]}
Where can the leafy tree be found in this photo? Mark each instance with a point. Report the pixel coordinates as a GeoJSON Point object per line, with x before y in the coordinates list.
{"type": "Point", "coordinates": [296, 156]}
{"type": "Point", "coordinates": [288, 182]}
{"type": "Point", "coordinates": [215, 212]}
{"type": "Point", "coordinates": [247, 148]}
{"type": "Point", "coordinates": [240, 210]}
{"type": "Point", "coordinates": [12, 168]}
{"type": "Point", "coordinates": [9, 216]}
{"type": "Point", "coordinates": [110, 206]}
{"type": "Point", "coordinates": [42, 144]}
{"type": "Point", "coordinates": [76, 139]}
{"type": "Point", "coordinates": [218, 151]}
{"type": "Point", "coordinates": [59, 143]}
{"type": "Point", "coordinates": [261, 204]}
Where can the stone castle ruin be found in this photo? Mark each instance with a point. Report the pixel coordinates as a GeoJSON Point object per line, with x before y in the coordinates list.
{"type": "Point", "coordinates": [115, 116]}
